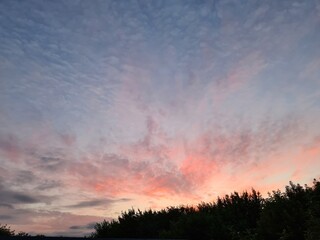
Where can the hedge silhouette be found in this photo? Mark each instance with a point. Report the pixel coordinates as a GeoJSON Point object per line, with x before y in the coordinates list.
{"type": "Point", "coordinates": [292, 215]}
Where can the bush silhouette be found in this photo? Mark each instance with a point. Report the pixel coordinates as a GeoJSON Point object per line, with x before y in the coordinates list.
{"type": "Point", "coordinates": [5, 231]}
{"type": "Point", "coordinates": [292, 215]}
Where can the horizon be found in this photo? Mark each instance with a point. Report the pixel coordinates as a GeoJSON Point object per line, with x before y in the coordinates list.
{"type": "Point", "coordinates": [93, 234]}
{"type": "Point", "coordinates": [112, 105]}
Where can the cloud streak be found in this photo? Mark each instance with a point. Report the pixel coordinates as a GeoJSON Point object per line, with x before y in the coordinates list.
{"type": "Point", "coordinates": [9, 197]}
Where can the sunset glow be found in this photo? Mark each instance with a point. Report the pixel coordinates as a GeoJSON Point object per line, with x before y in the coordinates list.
{"type": "Point", "coordinates": [112, 105]}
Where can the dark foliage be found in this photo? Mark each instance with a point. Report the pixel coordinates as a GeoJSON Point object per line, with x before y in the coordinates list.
{"type": "Point", "coordinates": [290, 215]}
{"type": "Point", "coordinates": [5, 231]}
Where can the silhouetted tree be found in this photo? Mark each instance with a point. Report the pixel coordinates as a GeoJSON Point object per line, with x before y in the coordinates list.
{"type": "Point", "coordinates": [293, 214]}
{"type": "Point", "coordinates": [6, 231]}
{"type": "Point", "coordinates": [290, 214]}
{"type": "Point", "coordinates": [313, 215]}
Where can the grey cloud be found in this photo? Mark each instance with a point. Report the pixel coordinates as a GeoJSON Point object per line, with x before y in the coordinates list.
{"type": "Point", "coordinates": [50, 163]}
{"type": "Point", "coordinates": [9, 197]}
{"type": "Point", "coordinates": [87, 226]}
{"type": "Point", "coordinates": [6, 205]}
{"type": "Point", "coordinates": [98, 202]}
{"type": "Point", "coordinates": [2, 171]}
{"type": "Point", "coordinates": [50, 159]}
{"type": "Point", "coordinates": [92, 203]}
{"type": "Point", "coordinates": [23, 198]}
{"type": "Point", "coordinates": [24, 177]}
{"type": "Point", "coordinates": [5, 217]}
{"type": "Point", "coordinates": [115, 161]}
{"type": "Point", "coordinates": [122, 200]}
{"type": "Point", "coordinates": [48, 184]}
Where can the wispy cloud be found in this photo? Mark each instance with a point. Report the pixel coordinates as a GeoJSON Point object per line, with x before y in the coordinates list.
{"type": "Point", "coordinates": [97, 202]}
{"type": "Point", "coordinates": [106, 105]}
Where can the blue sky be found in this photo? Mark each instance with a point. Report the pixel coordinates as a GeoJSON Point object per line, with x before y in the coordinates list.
{"type": "Point", "coordinates": [108, 105]}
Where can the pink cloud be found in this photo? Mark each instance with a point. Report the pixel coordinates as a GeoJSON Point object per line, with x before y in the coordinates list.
{"type": "Point", "coordinates": [10, 147]}
{"type": "Point", "coordinates": [158, 165]}
{"type": "Point", "coordinates": [68, 139]}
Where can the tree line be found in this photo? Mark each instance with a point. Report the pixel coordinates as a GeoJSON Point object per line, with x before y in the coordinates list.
{"type": "Point", "coordinates": [293, 214]}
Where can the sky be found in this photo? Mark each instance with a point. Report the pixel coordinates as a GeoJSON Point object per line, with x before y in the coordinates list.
{"type": "Point", "coordinates": [112, 105]}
